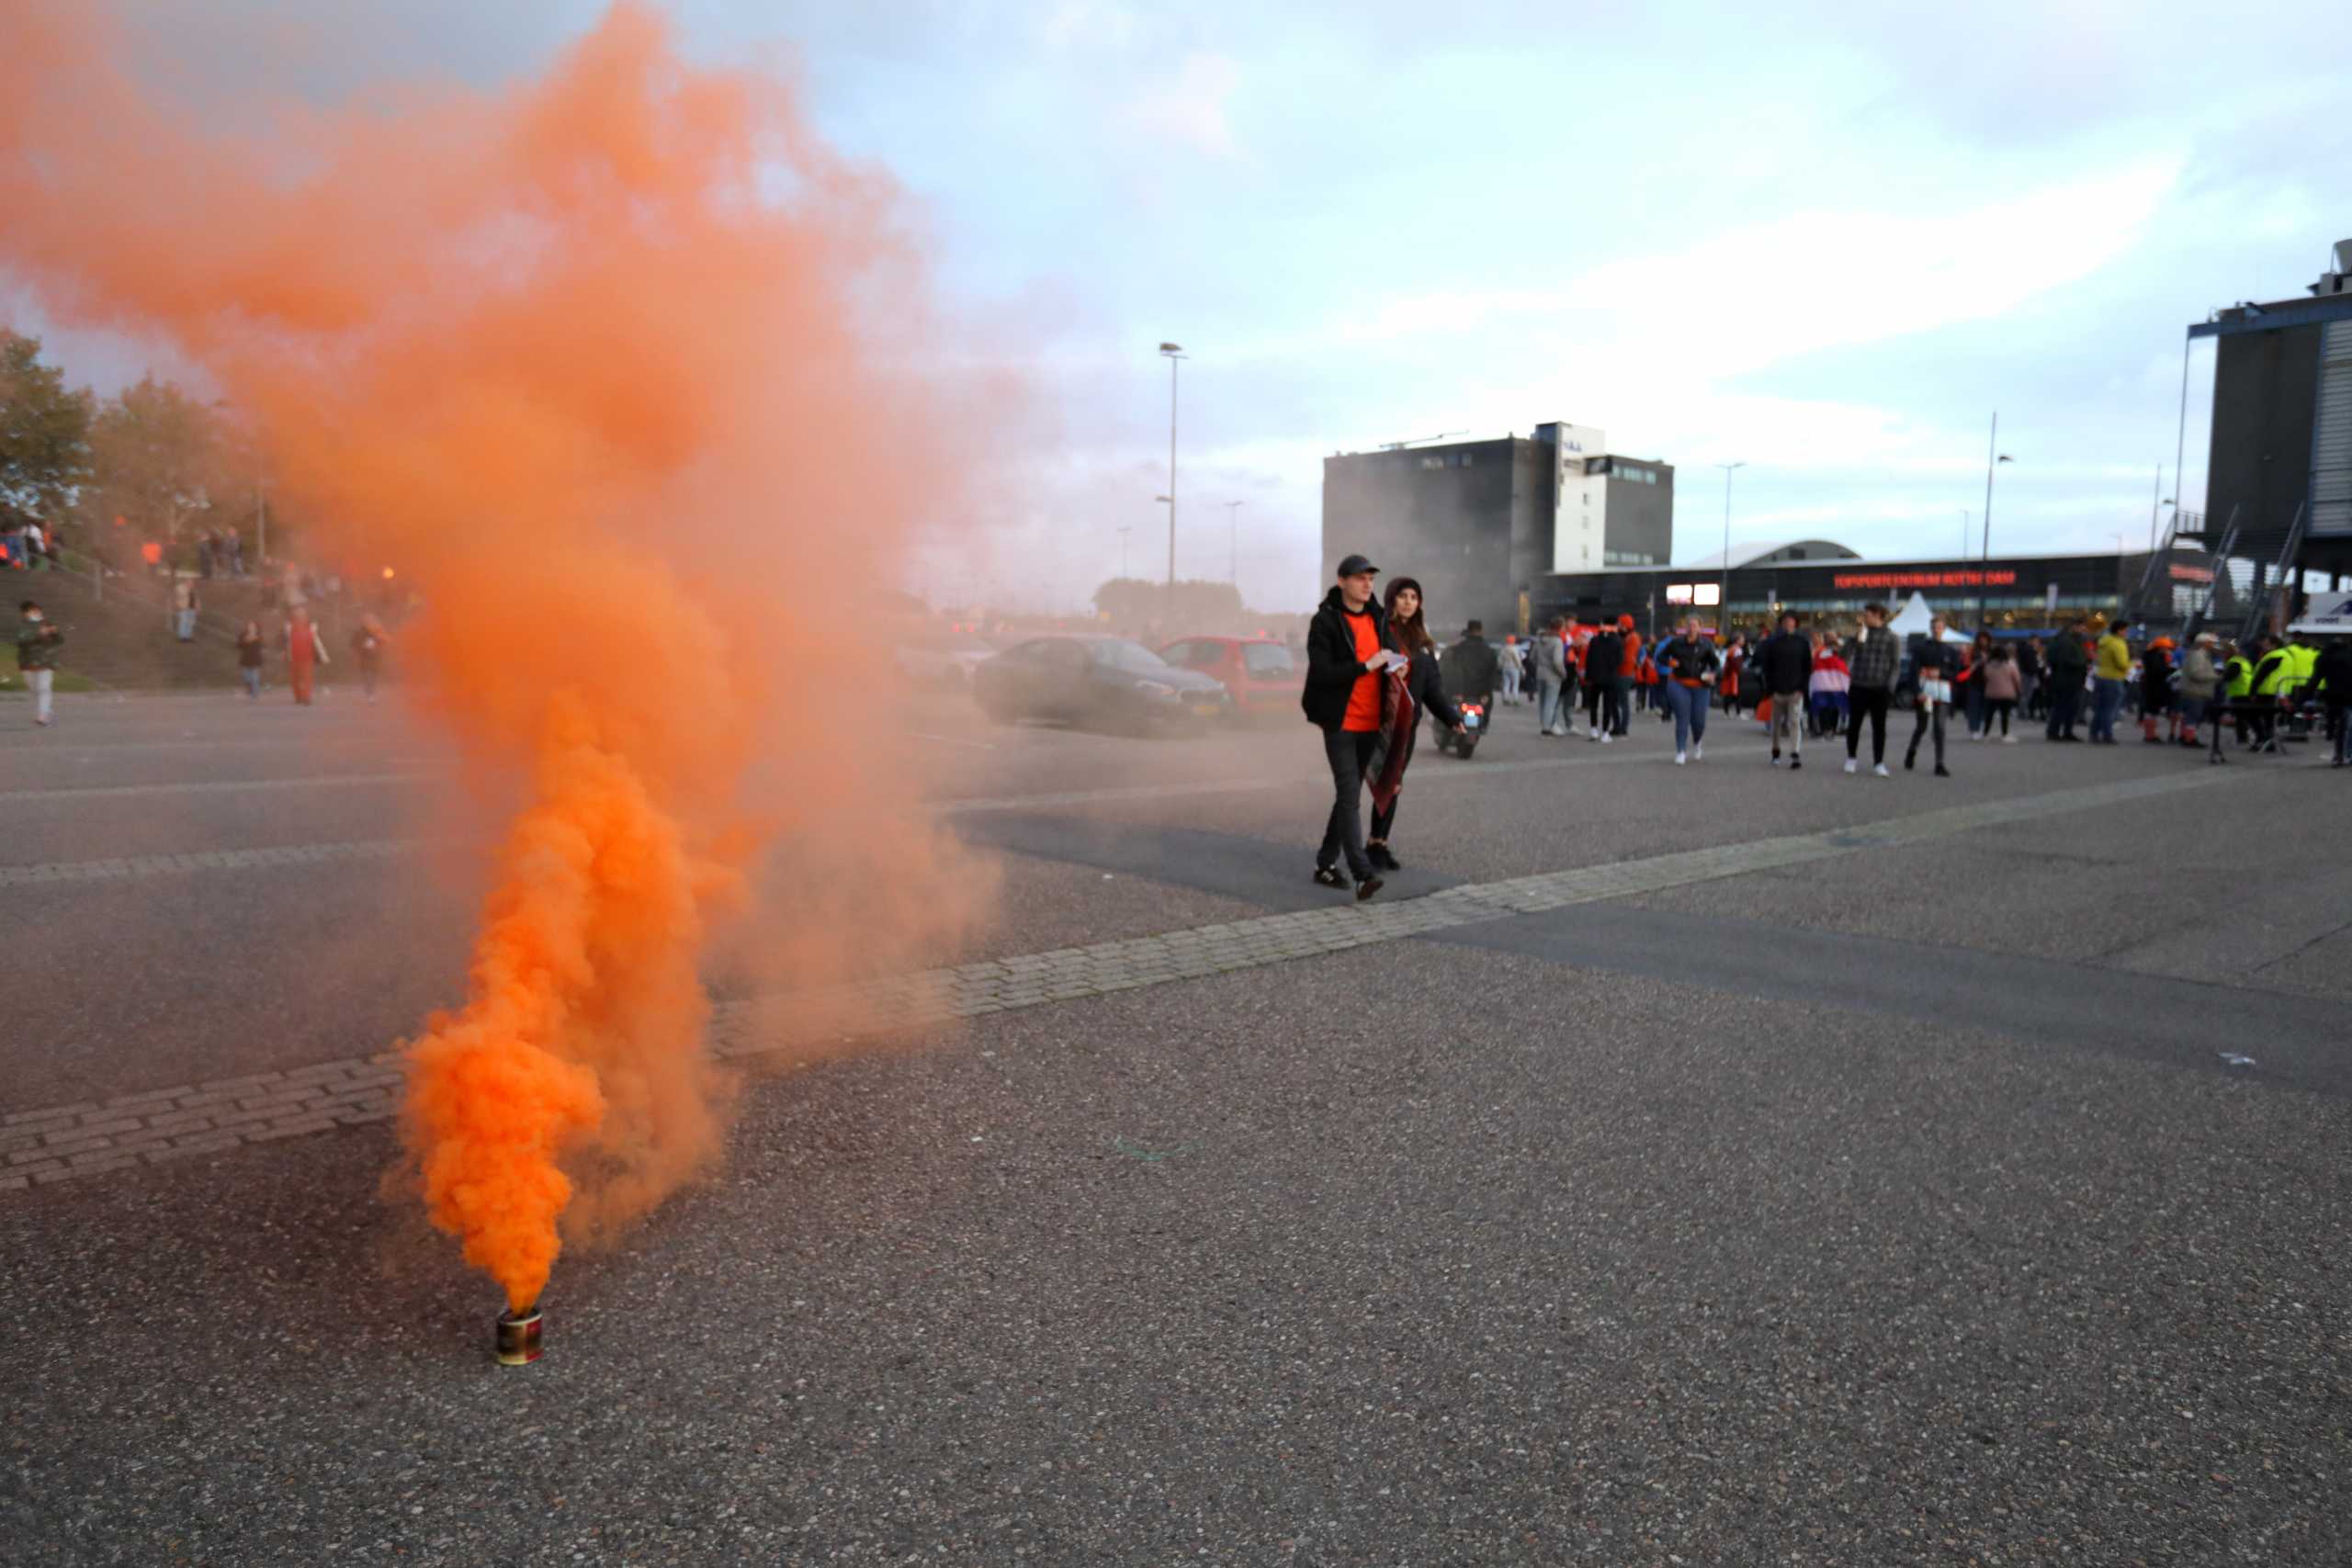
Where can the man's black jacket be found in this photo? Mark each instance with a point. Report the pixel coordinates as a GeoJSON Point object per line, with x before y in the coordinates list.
{"type": "Point", "coordinates": [1472, 668]}
{"type": "Point", "coordinates": [1332, 667]}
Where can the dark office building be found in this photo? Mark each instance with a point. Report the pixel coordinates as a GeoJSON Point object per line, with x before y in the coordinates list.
{"type": "Point", "coordinates": [2279, 475]}
{"type": "Point", "coordinates": [1482, 523]}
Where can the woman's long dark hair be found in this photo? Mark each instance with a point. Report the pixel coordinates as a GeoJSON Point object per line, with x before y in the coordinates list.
{"type": "Point", "coordinates": [1412, 636]}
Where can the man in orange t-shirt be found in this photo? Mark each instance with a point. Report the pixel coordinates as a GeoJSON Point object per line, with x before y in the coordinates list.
{"type": "Point", "coordinates": [1346, 650]}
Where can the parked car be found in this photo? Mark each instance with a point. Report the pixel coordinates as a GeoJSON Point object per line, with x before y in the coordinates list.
{"type": "Point", "coordinates": [1106, 681]}
{"type": "Point", "coordinates": [951, 663]}
{"type": "Point", "coordinates": [1259, 673]}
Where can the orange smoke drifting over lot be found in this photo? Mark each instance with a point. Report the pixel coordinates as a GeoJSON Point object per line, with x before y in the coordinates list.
{"type": "Point", "coordinates": [616, 366]}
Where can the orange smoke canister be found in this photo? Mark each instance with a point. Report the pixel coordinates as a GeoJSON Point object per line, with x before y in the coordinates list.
{"type": "Point", "coordinates": [518, 1336]}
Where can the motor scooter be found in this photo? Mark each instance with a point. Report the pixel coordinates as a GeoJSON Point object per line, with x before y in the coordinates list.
{"type": "Point", "coordinates": [1474, 725]}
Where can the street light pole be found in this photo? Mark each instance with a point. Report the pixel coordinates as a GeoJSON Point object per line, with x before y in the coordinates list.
{"type": "Point", "coordinates": [1172, 353]}
{"type": "Point", "coordinates": [1233, 541]}
{"type": "Point", "coordinates": [1993, 459]}
{"type": "Point", "coordinates": [1723, 588]}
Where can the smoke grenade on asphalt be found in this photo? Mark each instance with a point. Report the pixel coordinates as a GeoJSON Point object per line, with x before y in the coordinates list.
{"type": "Point", "coordinates": [619, 368]}
{"type": "Point", "coordinates": [519, 1336]}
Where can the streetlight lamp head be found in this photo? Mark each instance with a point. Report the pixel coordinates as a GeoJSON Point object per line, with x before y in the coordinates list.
{"type": "Point", "coordinates": [2004, 457]}
{"type": "Point", "coordinates": [1171, 349]}
{"type": "Point", "coordinates": [1164, 500]}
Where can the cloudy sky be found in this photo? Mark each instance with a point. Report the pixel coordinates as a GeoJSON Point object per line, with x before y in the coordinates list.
{"type": "Point", "coordinates": [1825, 239]}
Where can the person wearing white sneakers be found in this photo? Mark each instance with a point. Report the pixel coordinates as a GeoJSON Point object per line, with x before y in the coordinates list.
{"type": "Point", "coordinates": [1783, 667]}
{"type": "Point", "coordinates": [37, 644]}
{"type": "Point", "coordinates": [1686, 669]}
{"type": "Point", "coordinates": [1870, 664]}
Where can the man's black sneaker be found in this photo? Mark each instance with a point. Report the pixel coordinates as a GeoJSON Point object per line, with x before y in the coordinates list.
{"type": "Point", "coordinates": [1328, 876]}
{"type": "Point", "coordinates": [1910, 760]}
{"type": "Point", "coordinates": [1795, 762]}
{"type": "Point", "coordinates": [1366, 889]}
{"type": "Point", "coordinates": [1379, 854]}
{"type": "Point", "coordinates": [1942, 772]}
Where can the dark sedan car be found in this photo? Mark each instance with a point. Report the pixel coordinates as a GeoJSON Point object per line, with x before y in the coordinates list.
{"type": "Point", "coordinates": [1105, 681]}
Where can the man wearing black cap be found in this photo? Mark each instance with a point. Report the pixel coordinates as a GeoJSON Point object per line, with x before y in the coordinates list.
{"type": "Point", "coordinates": [1346, 650]}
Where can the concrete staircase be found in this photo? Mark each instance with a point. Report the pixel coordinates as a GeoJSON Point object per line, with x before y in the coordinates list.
{"type": "Point", "coordinates": [119, 632]}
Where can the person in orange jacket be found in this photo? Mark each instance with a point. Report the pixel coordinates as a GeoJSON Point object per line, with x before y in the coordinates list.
{"type": "Point", "coordinates": [1629, 665]}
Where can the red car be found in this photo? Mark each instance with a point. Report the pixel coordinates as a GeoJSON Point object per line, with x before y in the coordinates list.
{"type": "Point", "coordinates": [1258, 671]}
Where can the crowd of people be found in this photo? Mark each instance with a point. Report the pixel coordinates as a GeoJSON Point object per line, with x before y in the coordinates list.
{"type": "Point", "coordinates": [1372, 670]}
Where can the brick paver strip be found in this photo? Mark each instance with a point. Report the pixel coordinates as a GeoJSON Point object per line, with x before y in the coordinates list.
{"type": "Point", "coordinates": [42, 1146]}
{"type": "Point", "coordinates": [130, 867]}
{"type": "Point", "coordinates": [206, 787]}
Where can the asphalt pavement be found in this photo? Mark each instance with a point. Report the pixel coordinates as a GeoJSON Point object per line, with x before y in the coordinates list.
{"type": "Point", "coordinates": [1703, 1165]}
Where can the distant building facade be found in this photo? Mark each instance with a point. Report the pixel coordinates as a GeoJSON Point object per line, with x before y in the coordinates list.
{"type": "Point", "coordinates": [2279, 471]}
{"type": "Point", "coordinates": [1483, 524]}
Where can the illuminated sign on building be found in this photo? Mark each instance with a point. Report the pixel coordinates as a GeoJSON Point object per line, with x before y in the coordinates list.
{"type": "Point", "coordinates": [2190, 573]}
{"type": "Point", "coordinates": [1997, 579]}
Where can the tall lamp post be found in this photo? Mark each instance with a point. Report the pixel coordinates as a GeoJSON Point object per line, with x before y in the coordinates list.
{"type": "Point", "coordinates": [1723, 588]}
{"type": "Point", "coordinates": [1233, 541]}
{"type": "Point", "coordinates": [1994, 459]}
{"type": "Point", "coordinates": [1172, 353]}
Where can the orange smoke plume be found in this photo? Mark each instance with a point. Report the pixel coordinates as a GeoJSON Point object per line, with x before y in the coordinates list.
{"type": "Point", "coordinates": [617, 369]}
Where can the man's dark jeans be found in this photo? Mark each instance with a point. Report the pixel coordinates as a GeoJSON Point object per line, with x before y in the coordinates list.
{"type": "Point", "coordinates": [1348, 752]}
{"type": "Point", "coordinates": [2065, 698]}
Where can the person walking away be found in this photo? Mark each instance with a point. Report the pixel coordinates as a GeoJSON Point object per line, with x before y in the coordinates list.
{"type": "Point", "coordinates": [1970, 684]}
{"type": "Point", "coordinates": [2155, 689]}
{"type": "Point", "coordinates": [2237, 689]}
{"type": "Point", "coordinates": [1872, 661]}
{"type": "Point", "coordinates": [1346, 654]}
{"type": "Point", "coordinates": [37, 645]}
{"type": "Point", "coordinates": [306, 650]}
{"type": "Point", "coordinates": [2111, 667]}
{"type": "Point", "coordinates": [1550, 675]}
{"type": "Point", "coordinates": [2261, 697]}
{"type": "Point", "coordinates": [1687, 668]}
{"type": "Point", "coordinates": [2003, 684]}
{"type": "Point", "coordinates": [1830, 683]}
{"type": "Point", "coordinates": [184, 605]}
{"type": "Point", "coordinates": [1629, 670]}
{"type": "Point", "coordinates": [2332, 675]}
{"type": "Point", "coordinates": [248, 647]}
{"type": "Point", "coordinates": [1407, 635]}
{"type": "Point", "coordinates": [1604, 663]}
{"type": "Point", "coordinates": [1472, 668]}
{"type": "Point", "coordinates": [1934, 668]}
{"type": "Point", "coordinates": [1784, 667]}
{"type": "Point", "coordinates": [1728, 686]}
{"type": "Point", "coordinates": [2199, 679]}
{"type": "Point", "coordinates": [367, 645]}
{"type": "Point", "coordinates": [1508, 668]}
{"type": "Point", "coordinates": [2067, 667]}
{"type": "Point", "coordinates": [1596, 678]}
{"type": "Point", "coordinates": [2031, 698]}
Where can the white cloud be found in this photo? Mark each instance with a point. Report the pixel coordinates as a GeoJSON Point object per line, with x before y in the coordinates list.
{"type": "Point", "coordinates": [1193, 109]}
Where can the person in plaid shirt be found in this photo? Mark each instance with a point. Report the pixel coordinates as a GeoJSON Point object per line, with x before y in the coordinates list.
{"type": "Point", "coordinates": [1871, 663]}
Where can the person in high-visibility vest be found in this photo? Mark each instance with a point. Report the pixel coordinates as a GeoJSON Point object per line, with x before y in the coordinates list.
{"type": "Point", "coordinates": [2303, 663]}
{"type": "Point", "coordinates": [2271, 666]}
{"type": "Point", "coordinates": [2237, 686]}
